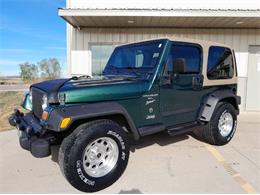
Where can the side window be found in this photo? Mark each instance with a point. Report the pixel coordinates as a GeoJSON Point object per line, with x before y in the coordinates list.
{"type": "Point", "coordinates": [190, 53]}
{"type": "Point", "coordinates": [220, 63]}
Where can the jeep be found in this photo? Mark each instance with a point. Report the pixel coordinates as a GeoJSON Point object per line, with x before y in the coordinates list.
{"type": "Point", "coordinates": [164, 85]}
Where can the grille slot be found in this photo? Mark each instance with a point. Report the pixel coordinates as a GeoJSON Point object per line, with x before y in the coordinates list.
{"type": "Point", "coordinates": [37, 95]}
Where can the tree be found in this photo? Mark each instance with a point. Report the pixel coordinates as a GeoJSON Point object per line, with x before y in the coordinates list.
{"type": "Point", "coordinates": [50, 68]}
{"type": "Point", "coordinates": [29, 72]}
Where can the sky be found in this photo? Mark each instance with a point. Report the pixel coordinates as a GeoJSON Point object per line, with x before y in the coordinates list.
{"type": "Point", "coordinates": [31, 30]}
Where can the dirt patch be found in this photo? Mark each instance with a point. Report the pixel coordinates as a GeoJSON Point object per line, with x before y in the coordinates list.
{"type": "Point", "coordinates": [8, 102]}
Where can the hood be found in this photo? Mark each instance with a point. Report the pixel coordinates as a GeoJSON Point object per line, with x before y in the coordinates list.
{"type": "Point", "coordinates": [50, 88]}
{"type": "Point", "coordinates": [93, 90]}
{"type": "Point", "coordinates": [50, 85]}
{"type": "Point", "coordinates": [103, 89]}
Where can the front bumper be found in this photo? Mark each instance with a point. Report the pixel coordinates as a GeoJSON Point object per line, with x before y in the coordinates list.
{"type": "Point", "coordinates": [32, 135]}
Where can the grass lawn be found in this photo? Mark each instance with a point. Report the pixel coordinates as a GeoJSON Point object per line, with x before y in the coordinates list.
{"type": "Point", "coordinates": [18, 81]}
{"type": "Point", "coordinates": [8, 102]}
{"type": "Point", "coordinates": [10, 81]}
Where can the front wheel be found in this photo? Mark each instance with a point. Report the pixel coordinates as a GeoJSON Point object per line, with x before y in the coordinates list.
{"type": "Point", "coordinates": [95, 155]}
{"type": "Point", "coordinates": [222, 126]}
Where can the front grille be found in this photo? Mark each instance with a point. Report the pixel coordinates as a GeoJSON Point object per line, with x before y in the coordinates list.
{"type": "Point", "coordinates": [37, 95]}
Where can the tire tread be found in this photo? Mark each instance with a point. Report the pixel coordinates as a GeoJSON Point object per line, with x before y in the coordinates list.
{"type": "Point", "coordinates": [209, 134]}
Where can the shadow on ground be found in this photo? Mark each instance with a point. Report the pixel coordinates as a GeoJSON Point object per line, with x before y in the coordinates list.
{"type": "Point", "coordinates": [133, 191]}
{"type": "Point", "coordinates": [162, 139]}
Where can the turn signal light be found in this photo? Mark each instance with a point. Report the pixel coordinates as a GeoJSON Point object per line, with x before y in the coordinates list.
{"type": "Point", "coordinates": [45, 115]}
{"type": "Point", "coordinates": [64, 123]}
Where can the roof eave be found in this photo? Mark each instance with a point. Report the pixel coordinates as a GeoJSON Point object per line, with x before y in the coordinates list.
{"type": "Point", "coordinates": [159, 13]}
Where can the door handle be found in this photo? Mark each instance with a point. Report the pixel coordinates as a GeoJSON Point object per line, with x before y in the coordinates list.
{"type": "Point", "coordinates": [197, 82]}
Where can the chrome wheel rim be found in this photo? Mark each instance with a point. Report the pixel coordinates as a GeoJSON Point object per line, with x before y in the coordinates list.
{"type": "Point", "coordinates": [225, 124]}
{"type": "Point", "coordinates": [100, 157]}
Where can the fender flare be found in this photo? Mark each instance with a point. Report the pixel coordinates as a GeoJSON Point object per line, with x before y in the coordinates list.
{"type": "Point", "coordinates": [87, 111]}
{"type": "Point", "coordinates": [211, 100]}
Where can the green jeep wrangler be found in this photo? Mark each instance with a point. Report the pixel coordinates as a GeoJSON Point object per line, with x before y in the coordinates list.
{"type": "Point", "coordinates": [174, 86]}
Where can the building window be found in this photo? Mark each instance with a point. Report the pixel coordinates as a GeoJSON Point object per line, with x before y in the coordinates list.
{"type": "Point", "coordinates": [220, 63]}
{"type": "Point", "coordinates": [100, 55]}
{"type": "Point", "coordinates": [190, 53]}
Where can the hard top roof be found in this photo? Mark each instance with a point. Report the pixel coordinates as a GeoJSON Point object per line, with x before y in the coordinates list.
{"type": "Point", "coordinates": [203, 43]}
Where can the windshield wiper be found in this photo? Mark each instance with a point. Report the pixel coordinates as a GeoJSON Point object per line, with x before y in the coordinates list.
{"type": "Point", "coordinates": [138, 74]}
{"type": "Point", "coordinates": [81, 77]}
{"type": "Point", "coordinates": [112, 70]}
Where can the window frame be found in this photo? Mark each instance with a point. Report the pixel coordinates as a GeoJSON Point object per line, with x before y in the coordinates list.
{"type": "Point", "coordinates": [233, 63]}
{"type": "Point", "coordinates": [161, 56]}
{"type": "Point", "coordinates": [179, 43]}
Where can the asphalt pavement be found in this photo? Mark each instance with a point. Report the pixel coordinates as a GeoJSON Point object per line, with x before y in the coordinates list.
{"type": "Point", "coordinates": [157, 164]}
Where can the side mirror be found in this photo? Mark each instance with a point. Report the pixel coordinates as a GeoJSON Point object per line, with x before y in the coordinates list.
{"type": "Point", "coordinates": [179, 66]}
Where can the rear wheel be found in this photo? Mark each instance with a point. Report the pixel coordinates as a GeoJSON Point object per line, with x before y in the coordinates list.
{"type": "Point", "coordinates": [221, 128]}
{"type": "Point", "coordinates": [95, 155]}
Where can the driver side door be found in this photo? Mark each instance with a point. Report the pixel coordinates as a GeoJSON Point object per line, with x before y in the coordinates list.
{"type": "Point", "coordinates": [181, 88]}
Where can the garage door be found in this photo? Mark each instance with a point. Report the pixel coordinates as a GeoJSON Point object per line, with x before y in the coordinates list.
{"type": "Point", "coordinates": [253, 83]}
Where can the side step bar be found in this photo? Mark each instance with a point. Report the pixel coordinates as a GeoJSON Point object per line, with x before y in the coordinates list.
{"type": "Point", "coordinates": [151, 129]}
{"type": "Point", "coordinates": [183, 128]}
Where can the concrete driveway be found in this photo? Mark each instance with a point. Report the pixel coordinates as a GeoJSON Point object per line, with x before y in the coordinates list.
{"type": "Point", "coordinates": [158, 164]}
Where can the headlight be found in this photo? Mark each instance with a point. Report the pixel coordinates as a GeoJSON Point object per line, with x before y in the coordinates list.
{"type": "Point", "coordinates": [62, 98]}
{"type": "Point", "coordinates": [44, 102]}
{"type": "Point", "coordinates": [30, 99]}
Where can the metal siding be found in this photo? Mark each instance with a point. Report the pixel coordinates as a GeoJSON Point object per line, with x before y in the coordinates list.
{"type": "Point", "coordinates": [257, 36]}
{"type": "Point", "coordinates": [239, 39]}
{"type": "Point", "coordinates": [253, 80]}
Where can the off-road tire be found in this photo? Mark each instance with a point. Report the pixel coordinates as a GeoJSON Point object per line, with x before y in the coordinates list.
{"type": "Point", "coordinates": [210, 133]}
{"type": "Point", "coordinates": [72, 149]}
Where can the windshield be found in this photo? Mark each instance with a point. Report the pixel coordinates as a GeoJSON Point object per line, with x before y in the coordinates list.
{"type": "Point", "coordinates": [138, 59]}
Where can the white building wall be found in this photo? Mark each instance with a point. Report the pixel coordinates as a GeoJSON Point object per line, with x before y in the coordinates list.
{"type": "Point", "coordinates": [165, 4]}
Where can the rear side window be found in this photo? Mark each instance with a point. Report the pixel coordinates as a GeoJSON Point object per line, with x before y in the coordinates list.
{"type": "Point", "coordinates": [220, 63]}
{"type": "Point", "coordinates": [190, 53]}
